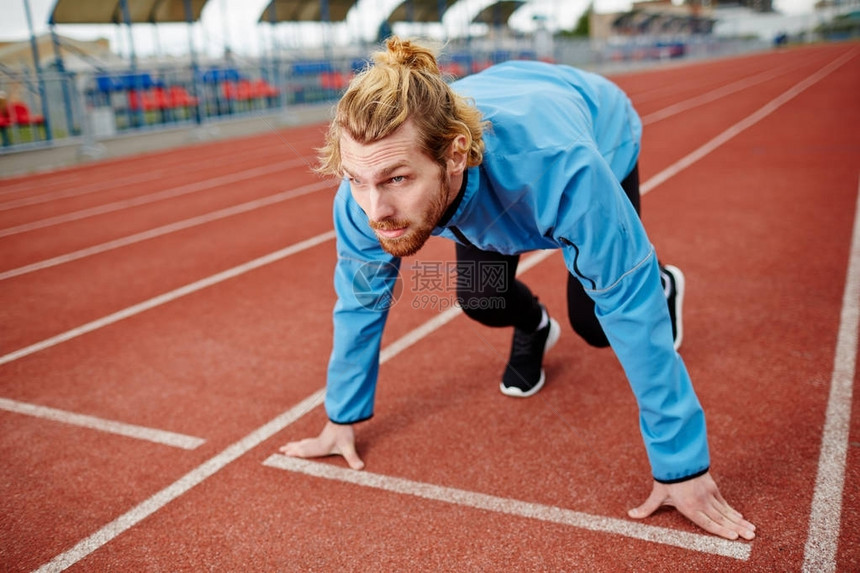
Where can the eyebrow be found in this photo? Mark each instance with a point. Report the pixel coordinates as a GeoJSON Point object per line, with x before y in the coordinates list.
{"type": "Point", "coordinates": [384, 172]}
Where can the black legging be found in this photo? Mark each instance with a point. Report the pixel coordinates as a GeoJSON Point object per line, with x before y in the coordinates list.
{"type": "Point", "coordinates": [492, 295]}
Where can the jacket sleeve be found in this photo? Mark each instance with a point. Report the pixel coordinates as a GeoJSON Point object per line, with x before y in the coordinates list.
{"type": "Point", "coordinates": [605, 246]}
{"type": "Point", "coordinates": [364, 281]}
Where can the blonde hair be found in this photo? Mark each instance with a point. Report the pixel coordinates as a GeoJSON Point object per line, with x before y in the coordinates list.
{"type": "Point", "coordinates": [403, 82]}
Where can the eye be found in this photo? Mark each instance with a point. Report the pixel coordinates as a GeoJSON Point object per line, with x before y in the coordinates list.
{"type": "Point", "coordinates": [398, 179]}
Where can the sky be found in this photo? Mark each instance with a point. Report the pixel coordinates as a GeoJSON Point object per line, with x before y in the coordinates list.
{"type": "Point", "coordinates": [233, 23]}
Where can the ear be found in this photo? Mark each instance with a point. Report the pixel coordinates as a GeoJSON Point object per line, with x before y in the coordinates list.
{"type": "Point", "coordinates": [458, 153]}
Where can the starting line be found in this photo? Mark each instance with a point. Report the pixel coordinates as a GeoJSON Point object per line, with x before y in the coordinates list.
{"type": "Point", "coordinates": [704, 543]}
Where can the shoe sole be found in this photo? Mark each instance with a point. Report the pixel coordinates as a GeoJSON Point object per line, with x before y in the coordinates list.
{"type": "Point", "coordinates": [679, 303]}
{"type": "Point", "coordinates": [551, 339]}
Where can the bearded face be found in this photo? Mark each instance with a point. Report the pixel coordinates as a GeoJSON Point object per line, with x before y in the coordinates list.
{"type": "Point", "coordinates": [403, 191]}
{"type": "Point", "coordinates": [405, 237]}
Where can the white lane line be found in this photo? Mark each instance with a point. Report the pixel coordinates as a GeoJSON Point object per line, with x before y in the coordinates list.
{"type": "Point", "coordinates": [713, 95]}
{"type": "Point", "coordinates": [826, 515]}
{"type": "Point", "coordinates": [745, 123]}
{"type": "Point", "coordinates": [692, 541]}
{"type": "Point", "coordinates": [140, 512]}
{"type": "Point", "coordinates": [129, 430]}
{"type": "Point", "coordinates": [204, 164]}
{"type": "Point", "coordinates": [152, 197]}
{"type": "Point", "coordinates": [207, 282]}
{"type": "Point", "coordinates": [233, 452]}
{"type": "Point", "coordinates": [168, 297]}
{"type": "Point", "coordinates": [166, 229]}
{"type": "Point", "coordinates": [76, 191]}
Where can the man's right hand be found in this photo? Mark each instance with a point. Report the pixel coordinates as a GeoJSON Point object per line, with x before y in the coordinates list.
{"type": "Point", "coordinates": [334, 440]}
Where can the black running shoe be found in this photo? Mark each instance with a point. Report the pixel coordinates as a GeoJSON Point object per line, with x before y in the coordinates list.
{"type": "Point", "coordinates": [673, 288]}
{"type": "Point", "coordinates": [524, 375]}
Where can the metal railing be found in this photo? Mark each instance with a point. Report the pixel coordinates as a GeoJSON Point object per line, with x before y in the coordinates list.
{"type": "Point", "coordinates": [99, 104]}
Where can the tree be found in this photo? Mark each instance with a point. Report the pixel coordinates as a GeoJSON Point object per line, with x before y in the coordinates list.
{"type": "Point", "coordinates": [583, 26]}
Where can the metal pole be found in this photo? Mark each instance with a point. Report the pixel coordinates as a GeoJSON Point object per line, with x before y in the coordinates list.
{"type": "Point", "coordinates": [273, 20]}
{"type": "Point", "coordinates": [275, 78]}
{"type": "Point", "coordinates": [39, 79]}
{"type": "Point", "coordinates": [64, 80]}
{"type": "Point", "coordinates": [194, 68]}
{"type": "Point", "coordinates": [137, 116]}
{"type": "Point", "coordinates": [324, 16]}
{"type": "Point", "coordinates": [226, 31]}
{"type": "Point", "coordinates": [126, 17]}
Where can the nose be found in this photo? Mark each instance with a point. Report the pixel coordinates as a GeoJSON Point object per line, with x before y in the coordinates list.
{"type": "Point", "coordinates": [380, 206]}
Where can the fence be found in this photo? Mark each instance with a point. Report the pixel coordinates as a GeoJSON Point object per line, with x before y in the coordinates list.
{"type": "Point", "coordinates": [88, 107]}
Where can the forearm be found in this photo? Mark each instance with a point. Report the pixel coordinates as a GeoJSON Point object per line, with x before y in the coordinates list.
{"type": "Point", "coordinates": [671, 419]}
{"type": "Point", "coordinates": [353, 367]}
{"type": "Point", "coordinates": [363, 289]}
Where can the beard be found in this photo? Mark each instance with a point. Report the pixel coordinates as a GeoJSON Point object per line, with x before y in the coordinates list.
{"type": "Point", "coordinates": [417, 232]}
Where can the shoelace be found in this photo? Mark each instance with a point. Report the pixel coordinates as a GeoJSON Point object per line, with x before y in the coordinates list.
{"type": "Point", "coordinates": [524, 343]}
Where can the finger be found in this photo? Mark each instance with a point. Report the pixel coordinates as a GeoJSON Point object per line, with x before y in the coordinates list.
{"type": "Point", "coordinates": [727, 510]}
{"type": "Point", "coordinates": [651, 504]}
{"type": "Point", "coordinates": [714, 521]}
{"type": "Point", "coordinates": [707, 523]}
{"type": "Point", "coordinates": [744, 528]}
{"type": "Point", "coordinates": [720, 505]}
{"type": "Point", "coordinates": [728, 517]}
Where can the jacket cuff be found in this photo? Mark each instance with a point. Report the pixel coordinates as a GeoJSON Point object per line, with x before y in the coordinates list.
{"type": "Point", "coordinates": [687, 478]}
{"type": "Point", "coordinates": [350, 422]}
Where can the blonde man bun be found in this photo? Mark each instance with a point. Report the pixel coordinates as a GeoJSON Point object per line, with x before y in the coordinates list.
{"type": "Point", "coordinates": [409, 54]}
{"type": "Point", "coordinates": [402, 83]}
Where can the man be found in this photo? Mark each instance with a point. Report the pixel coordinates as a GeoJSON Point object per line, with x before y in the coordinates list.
{"type": "Point", "coordinates": [520, 157]}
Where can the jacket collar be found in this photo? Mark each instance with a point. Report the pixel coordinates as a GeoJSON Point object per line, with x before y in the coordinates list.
{"type": "Point", "coordinates": [457, 205]}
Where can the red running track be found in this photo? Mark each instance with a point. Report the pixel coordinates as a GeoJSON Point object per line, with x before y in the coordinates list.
{"type": "Point", "coordinates": [166, 326]}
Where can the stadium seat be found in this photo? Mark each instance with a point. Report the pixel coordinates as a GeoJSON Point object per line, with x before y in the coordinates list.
{"type": "Point", "coordinates": [237, 90]}
{"type": "Point", "coordinates": [21, 115]}
{"type": "Point", "coordinates": [179, 97]}
{"type": "Point", "coordinates": [333, 81]}
{"type": "Point", "coordinates": [263, 89]}
{"type": "Point", "coordinates": [135, 100]}
{"type": "Point", "coordinates": [5, 122]}
{"type": "Point", "coordinates": [18, 114]}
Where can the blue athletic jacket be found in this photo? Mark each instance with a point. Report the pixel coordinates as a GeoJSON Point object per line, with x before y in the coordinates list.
{"type": "Point", "coordinates": [560, 142]}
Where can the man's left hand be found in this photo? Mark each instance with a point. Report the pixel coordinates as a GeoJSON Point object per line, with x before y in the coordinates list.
{"type": "Point", "coordinates": [700, 501]}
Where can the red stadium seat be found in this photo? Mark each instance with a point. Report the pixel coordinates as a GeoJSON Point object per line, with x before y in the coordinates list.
{"type": "Point", "coordinates": [179, 97]}
{"type": "Point", "coordinates": [333, 81]}
{"type": "Point", "coordinates": [5, 122]}
{"type": "Point", "coordinates": [263, 89]}
{"type": "Point", "coordinates": [21, 115]}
